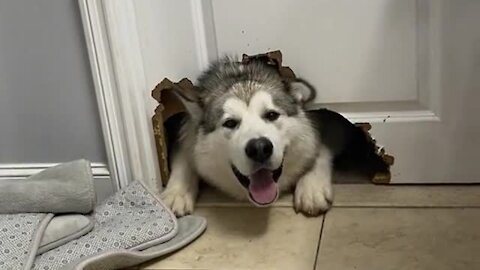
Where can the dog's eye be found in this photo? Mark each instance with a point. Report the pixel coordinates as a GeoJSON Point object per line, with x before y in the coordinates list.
{"type": "Point", "coordinates": [230, 123]}
{"type": "Point", "coordinates": [271, 116]}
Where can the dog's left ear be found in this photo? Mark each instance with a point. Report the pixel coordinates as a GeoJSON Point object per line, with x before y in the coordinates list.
{"type": "Point", "coordinates": [301, 90]}
{"type": "Point", "coordinates": [191, 100]}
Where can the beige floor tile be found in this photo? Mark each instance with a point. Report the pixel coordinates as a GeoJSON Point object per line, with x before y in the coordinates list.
{"type": "Point", "coordinates": [400, 238]}
{"type": "Point", "coordinates": [407, 195]}
{"type": "Point", "coordinates": [249, 238]}
{"type": "Point", "coordinates": [369, 195]}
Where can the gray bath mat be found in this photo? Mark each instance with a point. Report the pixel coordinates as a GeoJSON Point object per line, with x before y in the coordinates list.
{"type": "Point", "coordinates": [130, 221]}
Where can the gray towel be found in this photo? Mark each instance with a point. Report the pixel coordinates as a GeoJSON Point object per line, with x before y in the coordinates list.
{"type": "Point", "coordinates": [65, 188]}
{"type": "Point", "coordinates": [28, 222]}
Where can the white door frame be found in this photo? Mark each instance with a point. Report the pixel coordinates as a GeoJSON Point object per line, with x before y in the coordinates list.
{"type": "Point", "coordinates": [118, 74]}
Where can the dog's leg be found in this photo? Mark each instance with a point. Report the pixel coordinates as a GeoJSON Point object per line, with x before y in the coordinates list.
{"type": "Point", "coordinates": [313, 192]}
{"type": "Point", "coordinates": [182, 187]}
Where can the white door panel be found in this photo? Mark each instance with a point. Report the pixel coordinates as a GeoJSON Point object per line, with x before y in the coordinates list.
{"type": "Point", "coordinates": [354, 51]}
{"type": "Point", "coordinates": [410, 67]}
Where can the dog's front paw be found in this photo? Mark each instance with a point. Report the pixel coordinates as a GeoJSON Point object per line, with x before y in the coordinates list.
{"type": "Point", "coordinates": [313, 196]}
{"type": "Point", "coordinates": [180, 202]}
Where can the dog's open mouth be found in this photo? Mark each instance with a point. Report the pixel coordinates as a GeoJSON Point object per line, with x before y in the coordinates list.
{"type": "Point", "coordinates": [261, 185]}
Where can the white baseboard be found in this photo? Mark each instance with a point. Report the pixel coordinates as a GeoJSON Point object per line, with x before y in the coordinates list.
{"type": "Point", "coordinates": [23, 170]}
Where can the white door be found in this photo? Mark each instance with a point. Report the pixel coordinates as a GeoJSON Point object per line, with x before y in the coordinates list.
{"type": "Point", "coordinates": [409, 67]}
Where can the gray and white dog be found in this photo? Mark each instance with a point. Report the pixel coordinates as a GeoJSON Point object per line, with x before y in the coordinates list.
{"type": "Point", "coordinates": [248, 135]}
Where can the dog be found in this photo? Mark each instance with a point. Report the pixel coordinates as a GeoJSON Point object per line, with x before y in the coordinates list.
{"type": "Point", "coordinates": [247, 134]}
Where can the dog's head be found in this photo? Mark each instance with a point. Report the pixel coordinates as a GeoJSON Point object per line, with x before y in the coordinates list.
{"type": "Point", "coordinates": [251, 110]}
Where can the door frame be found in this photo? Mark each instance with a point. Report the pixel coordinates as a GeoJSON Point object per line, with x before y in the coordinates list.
{"type": "Point", "coordinates": [118, 73]}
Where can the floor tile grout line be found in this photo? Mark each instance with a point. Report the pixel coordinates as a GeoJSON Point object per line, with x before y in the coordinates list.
{"type": "Point", "coordinates": [410, 206]}
{"type": "Point", "coordinates": [148, 268]}
{"type": "Point", "coordinates": [340, 206]}
{"type": "Point", "coordinates": [170, 269]}
{"type": "Point", "coordinates": [319, 242]}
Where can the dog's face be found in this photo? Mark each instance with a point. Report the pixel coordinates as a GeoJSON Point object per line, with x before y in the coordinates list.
{"type": "Point", "coordinates": [256, 135]}
{"type": "Point", "coordinates": [252, 120]}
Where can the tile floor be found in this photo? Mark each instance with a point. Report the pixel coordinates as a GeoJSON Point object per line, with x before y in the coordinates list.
{"type": "Point", "coordinates": [370, 227]}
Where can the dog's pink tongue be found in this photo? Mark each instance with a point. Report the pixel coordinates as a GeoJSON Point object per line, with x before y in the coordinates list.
{"type": "Point", "coordinates": [262, 187]}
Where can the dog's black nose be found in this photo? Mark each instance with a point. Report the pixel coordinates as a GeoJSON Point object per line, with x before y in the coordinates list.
{"type": "Point", "coordinates": [259, 149]}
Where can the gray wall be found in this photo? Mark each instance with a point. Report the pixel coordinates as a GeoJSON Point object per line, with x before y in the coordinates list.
{"type": "Point", "coordinates": [48, 109]}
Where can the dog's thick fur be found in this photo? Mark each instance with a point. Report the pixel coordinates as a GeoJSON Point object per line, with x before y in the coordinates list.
{"type": "Point", "coordinates": [211, 149]}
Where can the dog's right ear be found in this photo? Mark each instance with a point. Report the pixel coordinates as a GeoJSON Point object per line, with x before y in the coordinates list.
{"type": "Point", "coordinates": [301, 90]}
{"type": "Point", "coordinates": [191, 100]}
